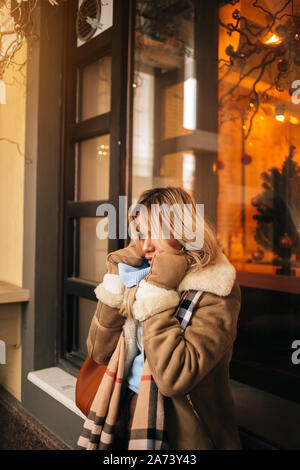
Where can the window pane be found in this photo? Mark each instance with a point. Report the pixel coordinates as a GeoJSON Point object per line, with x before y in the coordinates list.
{"type": "Point", "coordinates": [86, 310]}
{"type": "Point", "coordinates": [259, 190]}
{"type": "Point", "coordinates": [164, 106]}
{"type": "Point", "coordinates": [93, 250]}
{"type": "Point", "coordinates": [258, 154]}
{"type": "Point", "coordinates": [93, 157]}
{"type": "Point", "coordinates": [95, 92]}
{"type": "Point", "coordinates": [245, 165]}
{"type": "Point", "coordinates": [102, 19]}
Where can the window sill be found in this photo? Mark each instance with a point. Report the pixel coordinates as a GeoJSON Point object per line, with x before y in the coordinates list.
{"type": "Point", "coordinates": [269, 418]}
{"type": "Point", "coordinates": [59, 384]}
{"type": "Point", "coordinates": [12, 293]}
{"type": "Point", "coordinates": [290, 284]}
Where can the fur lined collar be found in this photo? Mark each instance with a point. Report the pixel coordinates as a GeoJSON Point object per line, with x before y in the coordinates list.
{"type": "Point", "coordinates": [217, 278]}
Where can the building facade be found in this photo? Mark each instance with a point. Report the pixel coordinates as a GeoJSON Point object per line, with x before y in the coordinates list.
{"type": "Point", "coordinates": [122, 95]}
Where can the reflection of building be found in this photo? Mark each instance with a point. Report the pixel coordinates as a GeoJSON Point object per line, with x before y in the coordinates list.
{"type": "Point", "coordinates": [126, 110]}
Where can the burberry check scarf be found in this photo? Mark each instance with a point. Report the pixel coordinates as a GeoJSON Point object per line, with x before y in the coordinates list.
{"type": "Point", "coordinates": [148, 430]}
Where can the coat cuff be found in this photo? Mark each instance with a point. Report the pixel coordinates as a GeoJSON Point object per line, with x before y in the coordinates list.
{"type": "Point", "coordinates": [111, 290]}
{"type": "Point", "coordinates": [151, 299]}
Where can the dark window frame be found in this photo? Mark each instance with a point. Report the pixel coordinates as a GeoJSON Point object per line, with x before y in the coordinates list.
{"type": "Point", "coordinates": [113, 42]}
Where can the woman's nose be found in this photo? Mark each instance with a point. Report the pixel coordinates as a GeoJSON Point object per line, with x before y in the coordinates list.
{"type": "Point", "coordinates": [148, 245]}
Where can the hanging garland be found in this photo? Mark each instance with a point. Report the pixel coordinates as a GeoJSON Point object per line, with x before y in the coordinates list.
{"type": "Point", "coordinates": [274, 48]}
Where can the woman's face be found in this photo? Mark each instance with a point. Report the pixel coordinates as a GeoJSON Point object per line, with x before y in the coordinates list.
{"type": "Point", "coordinates": [150, 246]}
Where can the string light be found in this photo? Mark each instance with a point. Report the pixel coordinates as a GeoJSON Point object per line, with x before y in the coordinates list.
{"type": "Point", "coordinates": [279, 113]}
{"type": "Point", "coordinates": [273, 40]}
{"type": "Point", "coordinates": [294, 120]}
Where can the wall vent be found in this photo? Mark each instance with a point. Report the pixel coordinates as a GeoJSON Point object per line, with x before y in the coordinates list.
{"type": "Point", "coordinates": [88, 8]}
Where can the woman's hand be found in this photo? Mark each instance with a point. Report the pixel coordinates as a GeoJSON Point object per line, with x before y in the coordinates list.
{"type": "Point", "coordinates": [167, 270]}
{"type": "Point", "coordinates": [131, 254]}
{"type": "Point", "coordinates": [111, 290]}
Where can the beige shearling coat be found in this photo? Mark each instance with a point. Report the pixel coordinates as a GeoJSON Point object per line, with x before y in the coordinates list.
{"type": "Point", "coordinates": [195, 362]}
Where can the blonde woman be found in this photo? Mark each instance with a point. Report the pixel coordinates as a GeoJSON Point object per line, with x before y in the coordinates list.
{"type": "Point", "coordinates": [167, 383]}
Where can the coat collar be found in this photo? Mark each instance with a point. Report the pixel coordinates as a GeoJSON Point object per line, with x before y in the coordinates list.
{"type": "Point", "coordinates": [217, 278]}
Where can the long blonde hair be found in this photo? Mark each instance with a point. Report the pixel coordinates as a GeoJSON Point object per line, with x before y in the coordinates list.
{"type": "Point", "coordinates": [170, 196]}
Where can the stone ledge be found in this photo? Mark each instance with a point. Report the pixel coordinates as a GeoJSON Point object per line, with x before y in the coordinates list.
{"type": "Point", "coordinates": [12, 293]}
{"type": "Point", "coordinates": [59, 384]}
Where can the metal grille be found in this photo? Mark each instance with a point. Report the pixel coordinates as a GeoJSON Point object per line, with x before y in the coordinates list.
{"type": "Point", "coordinates": [88, 8]}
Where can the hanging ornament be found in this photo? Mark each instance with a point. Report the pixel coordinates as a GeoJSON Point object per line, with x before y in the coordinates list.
{"type": "Point", "coordinates": [246, 159]}
{"type": "Point", "coordinates": [220, 164]}
{"type": "Point", "coordinates": [230, 51]}
{"type": "Point", "coordinates": [236, 14]}
{"type": "Point", "coordinates": [257, 255]}
{"type": "Point", "coordinates": [285, 241]}
{"type": "Point", "coordinates": [241, 60]}
{"type": "Point", "coordinates": [255, 201]}
{"type": "Point", "coordinates": [282, 65]}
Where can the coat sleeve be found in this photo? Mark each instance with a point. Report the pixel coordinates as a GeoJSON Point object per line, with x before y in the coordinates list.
{"type": "Point", "coordinates": [107, 322]}
{"type": "Point", "coordinates": [105, 329]}
{"type": "Point", "coordinates": [180, 360]}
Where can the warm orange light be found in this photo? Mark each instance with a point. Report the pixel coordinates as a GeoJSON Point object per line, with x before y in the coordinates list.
{"type": "Point", "coordinates": [280, 117]}
{"type": "Point", "coordinates": [273, 40]}
{"type": "Point", "coordinates": [294, 120]}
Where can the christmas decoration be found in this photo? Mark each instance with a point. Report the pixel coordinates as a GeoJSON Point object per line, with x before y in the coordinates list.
{"type": "Point", "coordinates": [282, 65]}
{"type": "Point", "coordinates": [257, 255]}
{"type": "Point", "coordinates": [285, 241]}
{"type": "Point", "coordinates": [278, 214]}
{"type": "Point", "coordinates": [230, 51]}
{"type": "Point", "coordinates": [246, 159]}
{"type": "Point", "coordinates": [220, 164]}
{"type": "Point", "coordinates": [272, 41]}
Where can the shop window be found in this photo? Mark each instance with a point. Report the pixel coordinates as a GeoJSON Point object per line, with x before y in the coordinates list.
{"type": "Point", "coordinates": [216, 110]}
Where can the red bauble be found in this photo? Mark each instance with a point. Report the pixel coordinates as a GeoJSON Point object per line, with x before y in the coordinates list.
{"type": "Point", "coordinates": [220, 164]}
{"type": "Point", "coordinates": [246, 159]}
{"type": "Point", "coordinates": [286, 241]}
{"type": "Point", "coordinates": [282, 65]}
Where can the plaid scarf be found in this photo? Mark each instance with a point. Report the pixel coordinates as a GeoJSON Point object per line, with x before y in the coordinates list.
{"type": "Point", "coordinates": [148, 430]}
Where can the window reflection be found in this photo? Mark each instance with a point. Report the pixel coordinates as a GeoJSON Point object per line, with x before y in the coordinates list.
{"type": "Point", "coordinates": [92, 250]}
{"type": "Point", "coordinates": [164, 96]}
{"type": "Point", "coordinates": [259, 143]}
{"type": "Point", "coordinates": [95, 89]}
{"type": "Point", "coordinates": [92, 168]}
